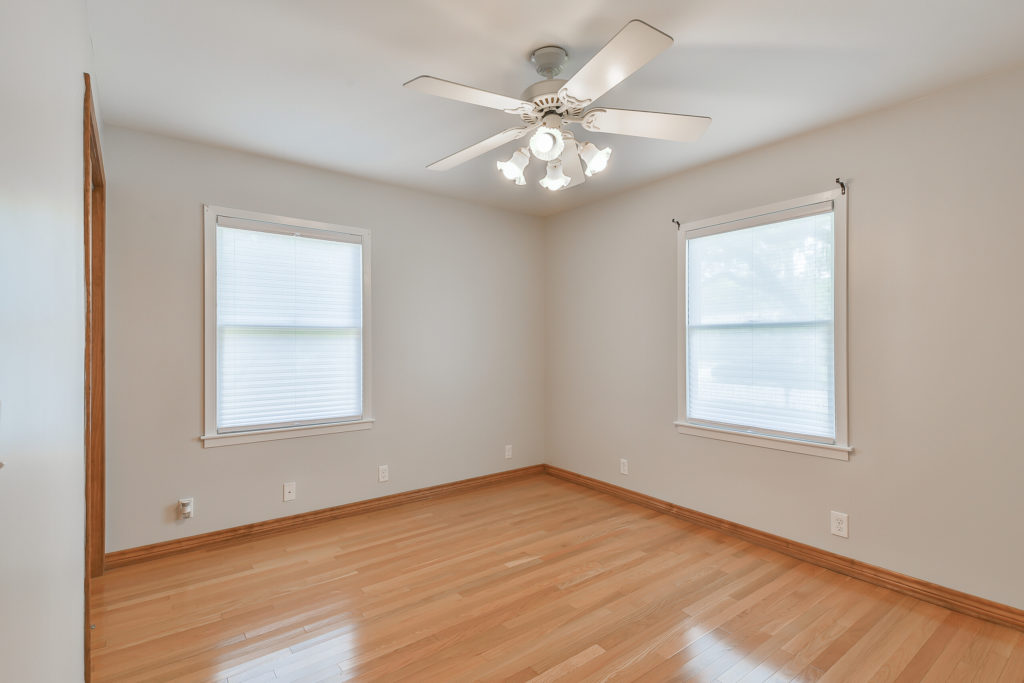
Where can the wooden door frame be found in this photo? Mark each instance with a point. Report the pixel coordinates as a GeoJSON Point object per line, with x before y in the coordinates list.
{"type": "Point", "coordinates": [94, 195]}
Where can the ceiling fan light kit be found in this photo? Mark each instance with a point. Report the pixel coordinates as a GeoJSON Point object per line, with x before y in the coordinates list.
{"type": "Point", "coordinates": [548, 106]}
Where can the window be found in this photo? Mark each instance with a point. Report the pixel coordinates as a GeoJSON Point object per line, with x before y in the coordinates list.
{"type": "Point", "coordinates": [287, 334]}
{"type": "Point", "coordinates": [763, 326]}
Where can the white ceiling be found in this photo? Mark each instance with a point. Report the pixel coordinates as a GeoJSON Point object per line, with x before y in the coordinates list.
{"type": "Point", "coordinates": [319, 81]}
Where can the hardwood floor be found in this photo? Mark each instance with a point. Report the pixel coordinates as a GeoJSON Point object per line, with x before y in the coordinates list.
{"type": "Point", "coordinates": [531, 580]}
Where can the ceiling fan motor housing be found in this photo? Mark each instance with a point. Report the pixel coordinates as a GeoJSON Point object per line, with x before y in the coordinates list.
{"type": "Point", "coordinates": [544, 94]}
{"type": "Point", "coordinates": [545, 99]}
{"type": "Point", "coordinates": [550, 60]}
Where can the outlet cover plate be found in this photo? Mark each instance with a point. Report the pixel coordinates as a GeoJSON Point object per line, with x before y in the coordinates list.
{"type": "Point", "coordinates": [623, 466]}
{"type": "Point", "coordinates": [382, 473]}
{"type": "Point", "coordinates": [289, 490]}
{"type": "Point", "coordinates": [508, 451]}
{"type": "Point", "coordinates": [839, 524]}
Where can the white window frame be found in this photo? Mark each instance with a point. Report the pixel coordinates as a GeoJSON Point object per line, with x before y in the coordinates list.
{"type": "Point", "coordinates": [839, 448]}
{"type": "Point", "coordinates": [292, 226]}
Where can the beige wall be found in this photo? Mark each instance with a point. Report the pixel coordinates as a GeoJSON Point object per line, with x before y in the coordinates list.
{"type": "Point", "coordinates": [559, 336]}
{"type": "Point", "coordinates": [935, 345]}
{"type": "Point", "coordinates": [42, 340]}
{"type": "Point", "coordinates": [457, 341]}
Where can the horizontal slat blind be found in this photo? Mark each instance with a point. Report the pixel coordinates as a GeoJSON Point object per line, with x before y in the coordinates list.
{"type": "Point", "coordinates": [760, 328]}
{"type": "Point", "coordinates": [289, 329]}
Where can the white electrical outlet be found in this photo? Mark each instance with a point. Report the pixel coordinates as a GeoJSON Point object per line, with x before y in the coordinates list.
{"type": "Point", "coordinates": [508, 451]}
{"type": "Point", "coordinates": [289, 490]}
{"type": "Point", "coordinates": [623, 466]}
{"type": "Point", "coordinates": [186, 508]}
{"type": "Point", "coordinates": [839, 524]}
{"type": "Point", "coordinates": [382, 472]}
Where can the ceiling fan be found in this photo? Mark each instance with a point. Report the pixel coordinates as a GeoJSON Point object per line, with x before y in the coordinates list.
{"type": "Point", "coordinates": [548, 106]}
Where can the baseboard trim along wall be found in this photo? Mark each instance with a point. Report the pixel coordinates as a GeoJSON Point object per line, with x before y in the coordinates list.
{"type": "Point", "coordinates": [957, 601]}
{"type": "Point", "coordinates": [246, 532]}
{"type": "Point", "coordinates": [965, 603]}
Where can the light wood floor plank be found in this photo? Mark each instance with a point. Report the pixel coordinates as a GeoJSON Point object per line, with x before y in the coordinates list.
{"type": "Point", "coordinates": [533, 579]}
{"type": "Point", "coordinates": [1013, 670]}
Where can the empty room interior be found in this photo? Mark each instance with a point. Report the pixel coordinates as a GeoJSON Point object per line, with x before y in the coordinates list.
{"type": "Point", "coordinates": [439, 340]}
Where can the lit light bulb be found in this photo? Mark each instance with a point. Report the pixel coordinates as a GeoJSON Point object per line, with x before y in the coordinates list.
{"type": "Point", "coordinates": [544, 142]}
{"type": "Point", "coordinates": [596, 159]}
{"type": "Point", "coordinates": [514, 167]}
{"type": "Point", "coordinates": [547, 143]}
{"type": "Point", "coordinates": [556, 178]}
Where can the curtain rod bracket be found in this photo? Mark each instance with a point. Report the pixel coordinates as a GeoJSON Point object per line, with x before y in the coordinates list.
{"type": "Point", "coordinates": [841, 184]}
{"type": "Point", "coordinates": [677, 223]}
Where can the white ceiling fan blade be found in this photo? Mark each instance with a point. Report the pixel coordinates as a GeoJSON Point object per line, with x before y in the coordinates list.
{"type": "Point", "coordinates": [646, 124]}
{"type": "Point", "coordinates": [571, 165]}
{"type": "Point", "coordinates": [632, 47]}
{"type": "Point", "coordinates": [464, 93]}
{"type": "Point", "coordinates": [479, 148]}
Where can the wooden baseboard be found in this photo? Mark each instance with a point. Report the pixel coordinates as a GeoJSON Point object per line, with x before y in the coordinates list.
{"type": "Point", "coordinates": [247, 532]}
{"type": "Point", "coordinates": [972, 605]}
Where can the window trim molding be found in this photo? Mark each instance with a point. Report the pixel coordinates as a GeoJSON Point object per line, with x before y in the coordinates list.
{"type": "Point", "coordinates": [210, 437]}
{"type": "Point", "coordinates": [840, 448]}
{"type": "Point", "coordinates": [254, 435]}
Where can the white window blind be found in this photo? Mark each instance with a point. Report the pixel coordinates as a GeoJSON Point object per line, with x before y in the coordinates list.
{"type": "Point", "coordinates": [289, 324]}
{"type": "Point", "coordinates": [760, 325]}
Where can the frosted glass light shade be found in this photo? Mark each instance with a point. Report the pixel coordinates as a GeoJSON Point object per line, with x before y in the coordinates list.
{"type": "Point", "coordinates": [513, 168]}
{"type": "Point", "coordinates": [556, 178]}
{"type": "Point", "coordinates": [596, 159]}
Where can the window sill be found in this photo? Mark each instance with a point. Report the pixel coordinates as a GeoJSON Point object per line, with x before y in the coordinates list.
{"type": "Point", "coordinates": [779, 444]}
{"type": "Point", "coordinates": [215, 440]}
